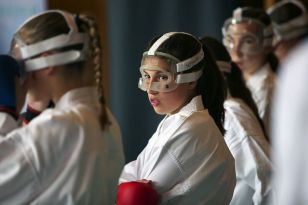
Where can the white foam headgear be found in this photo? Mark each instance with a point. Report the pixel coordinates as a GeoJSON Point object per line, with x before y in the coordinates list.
{"type": "Point", "coordinates": [27, 53]}
{"type": "Point", "coordinates": [293, 28]}
{"type": "Point", "coordinates": [180, 66]}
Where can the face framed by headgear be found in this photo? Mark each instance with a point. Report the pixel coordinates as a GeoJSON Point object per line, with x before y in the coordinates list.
{"type": "Point", "coordinates": [290, 28]}
{"type": "Point", "coordinates": [250, 41]}
{"type": "Point", "coordinates": [172, 72]}
{"type": "Point", "coordinates": [30, 56]}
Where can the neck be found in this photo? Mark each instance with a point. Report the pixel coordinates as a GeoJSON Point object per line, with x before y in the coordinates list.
{"type": "Point", "coordinates": [247, 75]}
{"type": "Point", "coordinates": [61, 88]}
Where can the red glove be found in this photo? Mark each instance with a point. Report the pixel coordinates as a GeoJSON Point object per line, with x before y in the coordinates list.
{"type": "Point", "coordinates": [136, 193]}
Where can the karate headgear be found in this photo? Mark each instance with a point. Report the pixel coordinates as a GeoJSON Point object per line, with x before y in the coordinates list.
{"type": "Point", "coordinates": [255, 41]}
{"type": "Point", "coordinates": [30, 57]}
{"type": "Point", "coordinates": [168, 79]}
{"type": "Point", "coordinates": [289, 19]}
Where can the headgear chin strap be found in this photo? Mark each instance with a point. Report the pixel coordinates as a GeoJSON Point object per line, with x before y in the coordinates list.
{"type": "Point", "coordinates": [27, 53]}
{"type": "Point", "coordinates": [176, 69]}
{"type": "Point", "coordinates": [292, 28]}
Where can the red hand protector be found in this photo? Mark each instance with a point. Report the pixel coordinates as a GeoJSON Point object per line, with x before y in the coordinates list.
{"type": "Point", "coordinates": [136, 193]}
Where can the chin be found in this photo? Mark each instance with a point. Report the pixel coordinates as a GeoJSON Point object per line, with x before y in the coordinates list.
{"type": "Point", "coordinates": [160, 112]}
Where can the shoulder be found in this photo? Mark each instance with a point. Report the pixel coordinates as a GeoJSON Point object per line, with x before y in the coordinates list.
{"type": "Point", "coordinates": [7, 123]}
{"type": "Point", "coordinates": [58, 126]}
{"type": "Point", "coordinates": [198, 123]}
{"type": "Point", "coordinates": [294, 69]}
{"type": "Point", "coordinates": [198, 131]}
{"type": "Point", "coordinates": [239, 116]}
{"type": "Point", "coordinates": [58, 118]}
{"type": "Point", "coordinates": [236, 107]}
{"type": "Point", "coordinates": [197, 117]}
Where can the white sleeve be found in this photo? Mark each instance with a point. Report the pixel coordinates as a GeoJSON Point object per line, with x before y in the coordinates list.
{"type": "Point", "coordinates": [132, 170]}
{"type": "Point", "coordinates": [266, 113]}
{"type": "Point", "coordinates": [17, 176]}
{"type": "Point", "coordinates": [167, 173]}
{"type": "Point", "coordinates": [129, 172]}
{"type": "Point", "coordinates": [164, 171]}
{"type": "Point", "coordinates": [164, 174]}
{"type": "Point", "coordinates": [290, 130]}
{"type": "Point", "coordinates": [254, 167]}
{"type": "Point", "coordinates": [7, 123]}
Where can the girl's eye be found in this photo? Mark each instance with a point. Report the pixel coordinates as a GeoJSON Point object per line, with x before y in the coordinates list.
{"type": "Point", "coordinates": [249, 40]}
{"type": "Point", "coordinates": [146, 76]}
{"type": "Point", "coordinates": [229, 39]}
{"type": "Point", "coordinates": [163, 77]}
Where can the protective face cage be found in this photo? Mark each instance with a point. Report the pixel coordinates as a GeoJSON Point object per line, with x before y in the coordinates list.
{"type": "Point", "coordinates": [30, 55]}
{"type": "Point", "coordinates": [249, 42]}
{"type": "Point", "coordinates": [294, 27]}
{"type": "Point", "coordinates": [167, 77]}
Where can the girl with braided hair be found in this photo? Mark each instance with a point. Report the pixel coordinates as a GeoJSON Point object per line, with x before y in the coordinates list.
{"type": "Point", "coordinates": [71, 153]}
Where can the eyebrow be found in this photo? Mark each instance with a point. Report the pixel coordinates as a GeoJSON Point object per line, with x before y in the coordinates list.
{"type": "Point", "coordinates": [157, 71]}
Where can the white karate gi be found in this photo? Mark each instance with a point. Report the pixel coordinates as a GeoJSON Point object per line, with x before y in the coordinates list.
{"type": "Point", "coordinates": [290, 129]}
{"type": "Point", "coordinates": [61, 156]}
{"type": "Point", "coordinates": [186, 159]}
{"type": "Point", "coordinates": [261, 85]}
{"type": "Point", "coordinates": [250, 149]}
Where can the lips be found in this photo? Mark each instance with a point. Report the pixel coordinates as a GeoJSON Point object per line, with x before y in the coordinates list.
{"type": "Point", "coordinates": [154, 102]}
{"type": "Point", "coordinates": [239, 64]}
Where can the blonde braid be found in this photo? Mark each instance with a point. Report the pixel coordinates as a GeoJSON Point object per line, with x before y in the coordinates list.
{"type": "Point", "coordinates": [95, 47]}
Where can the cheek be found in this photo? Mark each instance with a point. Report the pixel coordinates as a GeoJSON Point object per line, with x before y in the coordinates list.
{"type": "Point", "coordinates": [250, 60]}
{"type": "Point", "coordinates": [177, 100]}
{"type": "Point", "coordinates": [280, 53]}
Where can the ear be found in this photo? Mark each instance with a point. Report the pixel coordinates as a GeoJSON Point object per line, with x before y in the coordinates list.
{"type": "Point", "coordinates": [49, 70]}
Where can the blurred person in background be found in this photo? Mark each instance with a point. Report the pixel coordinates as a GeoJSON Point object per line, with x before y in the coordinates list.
{"type": "Point", "coordinates": [248, 37]}
{"type": "Point", "coordinates": [245, 134]}
{"type": "Point", "coordinates": [71, 153]}
{"type": "Point", "coordinates": [290, 25]}
{"type": "Point", "coordinates": [290, 130]}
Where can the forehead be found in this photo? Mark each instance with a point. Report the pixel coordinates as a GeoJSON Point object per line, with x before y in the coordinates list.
{"type": "Point", "coordinates": [245, 27]}
{"type": "Point", "coordinates": [156, 61]}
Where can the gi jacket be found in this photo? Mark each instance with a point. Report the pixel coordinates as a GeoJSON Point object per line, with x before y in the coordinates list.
{"type": "Point", "coordinates": [186, 159]}
{"type": "Point", "coordinates": [62, 156]}
{"type": "Point", "coordinates": [261, 85]}
{"type": "Point", "coordinates": [245, 139]}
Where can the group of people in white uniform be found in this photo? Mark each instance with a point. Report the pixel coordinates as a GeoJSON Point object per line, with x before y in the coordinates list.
{"type": "Point", "coordinates": [212, 147]}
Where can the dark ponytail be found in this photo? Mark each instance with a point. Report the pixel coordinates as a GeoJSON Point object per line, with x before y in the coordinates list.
{"type": "Point", "coordinates": [238, 89]}
{"type": "Point", "coordinates": [233, 79]}
{"type": "Point", "coordinates": [212, 89]}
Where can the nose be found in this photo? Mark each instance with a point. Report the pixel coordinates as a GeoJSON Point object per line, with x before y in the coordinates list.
{"type": "Point", "coordinates": [152, 92]}
{"type": "Point", "coordinates": [236, 53]}
{"type": "Point", "coordinates": [149, 90]}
